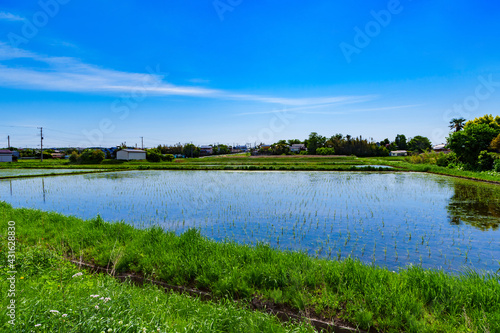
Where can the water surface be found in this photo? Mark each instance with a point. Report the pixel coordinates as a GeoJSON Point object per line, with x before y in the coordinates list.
{"type": "Point", "coordinates": [390, 219]}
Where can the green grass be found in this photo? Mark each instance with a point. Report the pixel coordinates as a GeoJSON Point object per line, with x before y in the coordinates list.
{"type": "Point", "coordinates": [46, 282]}
{"type": "Point", "coordinates": [412, 299]}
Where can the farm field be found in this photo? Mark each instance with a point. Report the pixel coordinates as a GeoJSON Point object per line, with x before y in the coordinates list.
{"type": "Point", "coordinates": [283, 163]}
{"type": "Point", "coordinates": [389, 219]}
{"type": "Point", "coordinates": [11, 173]}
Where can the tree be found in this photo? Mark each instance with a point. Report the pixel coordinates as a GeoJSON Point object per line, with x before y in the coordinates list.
{"type": "Point", "coordinates": [190, 150]}
{"type": "Point", "coordinates": [457, 124]}
{"type": "Point", "coordinates": [294, 141]}
{"type": "Point", "coordinates": [488, 119]}
{"type": "Point", "coordinates": [314, 142]}
{"type": "Point", "coordinates": [91, 156]}
{"type": "Point", "coordinates": [325, 151]}
{"type": "Point", "coordinates": [419, 144]}
{"type": "Point", "coordinates": [400, 142]}
{"type": "Point", "coordinates": [495, 144]}
{"type": "Point", "coordinates": [152, 155]}
{"type": "Point", "coordinates": [474, 138]}
{"type": "Point", "coordinates": [280, 148]}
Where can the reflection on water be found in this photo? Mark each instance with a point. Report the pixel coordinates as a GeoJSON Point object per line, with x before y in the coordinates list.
{"type": "Point", "coordinates": [478, 206]}
{"type": "Point", "coordinates": [391, 219]}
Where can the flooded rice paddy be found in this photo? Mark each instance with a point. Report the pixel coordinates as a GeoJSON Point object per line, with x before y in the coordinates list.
{"type": "Point", "coordinates": [34, 172]}
{"type": "Point", "coordinates": [389, 219]}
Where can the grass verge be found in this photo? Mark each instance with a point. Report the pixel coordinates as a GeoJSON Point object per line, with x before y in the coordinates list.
{"type": "Point", "coordinates": [370, 297]}
{"type": "Point", "coordinates": [53, 296]}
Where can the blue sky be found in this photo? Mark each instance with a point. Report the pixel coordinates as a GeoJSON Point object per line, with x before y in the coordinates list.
{"type": "Point", "coordinates": [97, 73]}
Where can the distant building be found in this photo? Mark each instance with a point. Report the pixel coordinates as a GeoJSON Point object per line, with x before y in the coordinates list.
{"type": "Point", "coordinates": [131, 154]}
{"type": "Point", "coordinates": [5, 156]}
{"type": "Point", "coordinates": [297, 148]}
{"type": "Point", "coordinates": [239, 149]}
{"type": "Point", "coordinates": [399, 153]}
{"type": "Point", "coordinates": [441, 148]}
{"type": "Point", "coordinates": [57, 155]}
{"type": "Point", "coordinates": [206, 150]}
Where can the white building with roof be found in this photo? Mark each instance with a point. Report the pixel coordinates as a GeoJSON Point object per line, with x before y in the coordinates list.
{"type": "Point", "coordinates": [130, 154]}
{"type": "Point", "coordinates": [5, 156]}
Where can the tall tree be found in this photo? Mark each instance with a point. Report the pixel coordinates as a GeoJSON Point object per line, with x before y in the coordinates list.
{"type": "Point", "coordinates": [400, 142]}
{"type": "Point", "coordinates": [314, 142]}
{"type": "Point", "coordinates": [419, 144]}
{"type": "Point", "coordinates": [469, 143]}
{"type": "Point", "coordinates": [457, 124]}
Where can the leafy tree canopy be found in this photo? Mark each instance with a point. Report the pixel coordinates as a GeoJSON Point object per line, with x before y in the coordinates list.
{"type": "Point", "coordinates": [419, 144]}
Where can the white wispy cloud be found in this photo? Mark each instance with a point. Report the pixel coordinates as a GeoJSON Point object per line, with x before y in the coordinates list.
{"type": "Point", "coordinates": [71, 75]}
{"type": "Point", "coordinates": [10, 17]}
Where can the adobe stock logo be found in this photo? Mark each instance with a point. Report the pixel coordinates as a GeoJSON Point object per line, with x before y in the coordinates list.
{"type": "Point", "coordinates": [223, 6]}
{"type": "Point", "coordinates": [372, 29]}
{"type": "Point", "coordinates": [30, 28]}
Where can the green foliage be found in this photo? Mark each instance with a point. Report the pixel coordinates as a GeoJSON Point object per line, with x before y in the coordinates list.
{"type": "Point", "coordinates": [190, 150]}
{"type": "Point", "coordinates": [325, 151]}
{"type": "Point", "coordinates": [488, 119]}
{"type": "Point", "coordinates": [221, 150]}
{"type": "Point", "coordinates": [495, 144]}
{"type": "Point", "coordinates": [168, 157]}
{"type": "Point", "coordinates": [73, 158]}
{"type": "Point", "coordinates": [88, 156]}
{"type": "Point", "coordinates": [91, 156]}
{"type": "Point", "coordinates": [280, 148]}
{"type": "Point", "coordinates": [56, 296]}
{"type": "Point", "coordinates": [496, 165]}
{"type": "Point", "coordinates": [485, 161]}
{"type": "Point", "coordinates": [445, 160]}
{"type": "Point", "coordinates": [457, 124]}
{"type": "Point", "coordinates": [469, 142]}
{"type": "Point", "coordinates": [419, 144]}
{"type": "Point", "coordinates": [400, 142]}
{"type": "Point", "coordinates": [153, 155]}
{"type": "Point", "coordinates": [314, 142]}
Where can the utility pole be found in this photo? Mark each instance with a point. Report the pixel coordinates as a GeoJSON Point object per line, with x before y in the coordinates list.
{"type": "Point", "coordinates": [142, 142]}
{"type": "Point", "coordinates": [41, 143]}
{"type": "Point", "coordinates": [8, 139]}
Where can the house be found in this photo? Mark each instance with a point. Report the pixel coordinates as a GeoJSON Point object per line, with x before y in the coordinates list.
{"type": "Point", "coordinates": [5, 156]}
{"type": "Point", "coordinates": [440, 148]}
{"type": "Point", "coordinates": [206, 150]}
{"type": "Point", "coordinates": [57, 155]}
{"type": "Point", "coordinates": [131, 154]}
{"type": "Point", "coordinates": [399, 153]}
{"type": "Point", "coordinates": [297, 148]}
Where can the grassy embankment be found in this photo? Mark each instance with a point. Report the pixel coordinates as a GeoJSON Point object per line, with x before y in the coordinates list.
{"type": "Point", "coordinates": [412, 299]}
{"type": "Point", "coordinates": [54, 296]}
{"type": "Point", "coordinates": [285, 163]}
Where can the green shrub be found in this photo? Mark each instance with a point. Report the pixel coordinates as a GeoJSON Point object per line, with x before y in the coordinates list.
{"type": "Point", "coordinates": [167, 157]}
{"type": "Point", "coordinates": [91, 156]}
{"type": "Point", "coordinates": [496, 165]}
{"type": "Point", "coordinates": [73, 158]}
{"type": "Point", "coordinates": [444, 160]}
{"type": "Point", "coordinates": [325, 151]}
{"type": "Point", "coordinates": [485, 161]}
{"type": "Point", "coordinates": [153, 156]}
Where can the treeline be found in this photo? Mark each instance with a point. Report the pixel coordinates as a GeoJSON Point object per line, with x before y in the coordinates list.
{"type": "Point", "coordinates": [339, 144]}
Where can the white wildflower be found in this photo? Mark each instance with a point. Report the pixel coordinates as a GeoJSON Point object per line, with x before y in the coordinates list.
{"type": "Point", "coordinates": [77, 274]}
